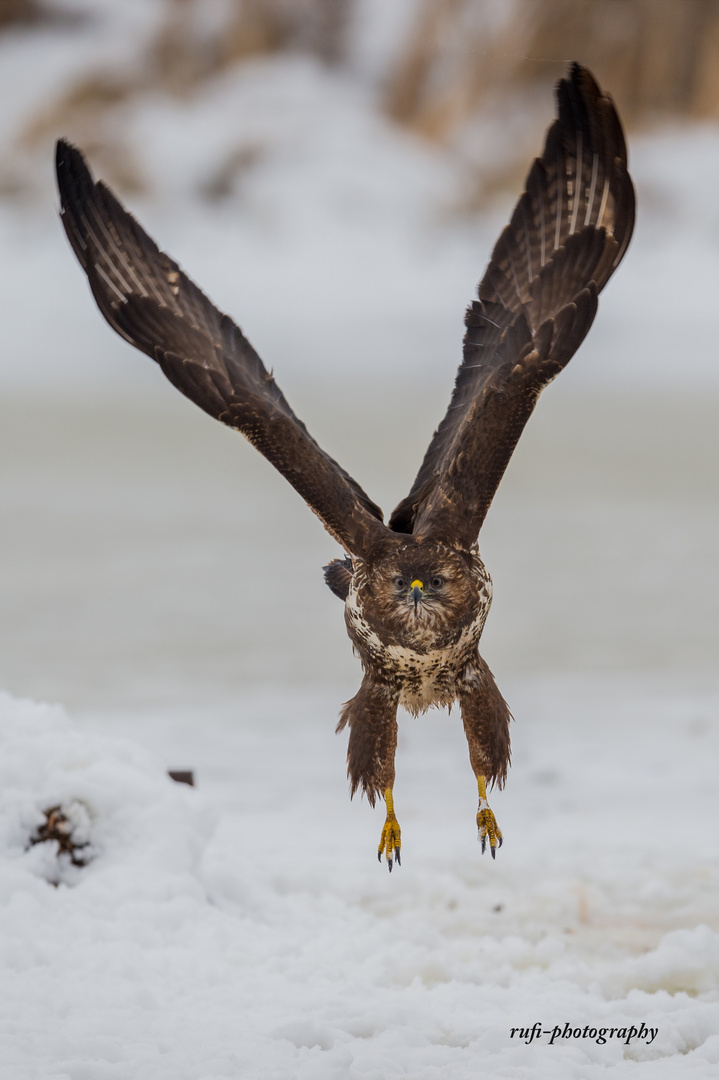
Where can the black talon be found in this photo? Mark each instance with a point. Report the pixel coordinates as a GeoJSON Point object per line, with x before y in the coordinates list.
{"type": "Point", "coordinates": [483, 840]}
{"type": "Point", "coordinates": [396, 855]}
{"type": "Point", "coordinates": [379, 856]}
{"type": "Point", "coordinates": [494, 854]}
{"type": "Point", "coordinates": [500, 842]}
{"type": "Point", "coordinates": [389, 864]}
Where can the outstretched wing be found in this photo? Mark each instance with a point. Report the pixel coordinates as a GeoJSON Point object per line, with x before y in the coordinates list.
{"type": "Point", "coordinates": [537, 301]}
{"type": "Point", "coordinates": [147, 298]}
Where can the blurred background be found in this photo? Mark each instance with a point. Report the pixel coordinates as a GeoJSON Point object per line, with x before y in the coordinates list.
{"type": "Point", "coordinates": [334, 173]}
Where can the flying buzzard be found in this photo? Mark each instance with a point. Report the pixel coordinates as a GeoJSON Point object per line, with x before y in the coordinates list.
{"type": "Point", "coordinates": [416, 592]}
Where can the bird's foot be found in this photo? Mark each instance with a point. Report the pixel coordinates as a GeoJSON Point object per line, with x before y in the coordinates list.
{"type": "Point", "coordinates": [390, 842]}
{"type": "Point", "coordinates": [487, 825]}
{"type": "Point", "coordinates": [488, 830]}
{"type": "Point", "coordinates": [391, 839]}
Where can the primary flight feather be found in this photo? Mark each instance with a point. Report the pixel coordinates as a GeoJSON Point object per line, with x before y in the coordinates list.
{"type": "Point", "coordinates": [416, 592]}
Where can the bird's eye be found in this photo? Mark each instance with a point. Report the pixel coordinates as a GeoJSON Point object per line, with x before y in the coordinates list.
{"type": "Point", "coordinates": [399, 583]}
{"type": "Point", "coordinates": [437, 581]}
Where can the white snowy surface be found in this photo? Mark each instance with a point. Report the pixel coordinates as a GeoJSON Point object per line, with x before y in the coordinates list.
{"type": "Point", "coordinates": [274, 945]}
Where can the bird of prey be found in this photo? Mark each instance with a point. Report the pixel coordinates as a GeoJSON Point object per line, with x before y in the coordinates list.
{"type": "Point", "coordinates": [415, 590]}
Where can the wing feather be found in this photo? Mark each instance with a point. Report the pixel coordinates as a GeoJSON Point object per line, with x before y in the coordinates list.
{"type": "Point", "coordinates": [536, 303]}
{"type": "Point", "coordinates": [150, 301]}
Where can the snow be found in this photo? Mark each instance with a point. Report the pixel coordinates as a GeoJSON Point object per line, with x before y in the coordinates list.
{"type": "Point", "coordinates": [245, 929]}
{"type": "Point", "coordinates": [163, 583]}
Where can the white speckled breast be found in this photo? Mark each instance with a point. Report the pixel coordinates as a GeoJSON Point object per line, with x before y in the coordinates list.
{"type": "Point", "coordinates": [425, 678]}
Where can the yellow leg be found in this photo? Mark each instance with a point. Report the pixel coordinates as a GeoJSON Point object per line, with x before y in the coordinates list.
{"type": "Point", "coordinates": [486, 821]}
{"type": "Point", "coordinates": [391, 838]}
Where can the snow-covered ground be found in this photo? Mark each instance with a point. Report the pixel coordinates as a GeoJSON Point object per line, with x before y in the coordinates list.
{"type": "Point", "coordinates": [163, 584]}
{"type": "Point", "coordinates": [246, 930]}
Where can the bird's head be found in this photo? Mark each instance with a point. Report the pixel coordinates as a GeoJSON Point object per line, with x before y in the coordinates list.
{"type": "Point", "coordinates": [423, 590]}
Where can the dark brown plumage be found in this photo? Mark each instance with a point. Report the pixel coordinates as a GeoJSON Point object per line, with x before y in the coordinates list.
{"type": "Point", "coordinates": [537, 301]}
{"type": "Point", "coordinates": [416, 592]}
